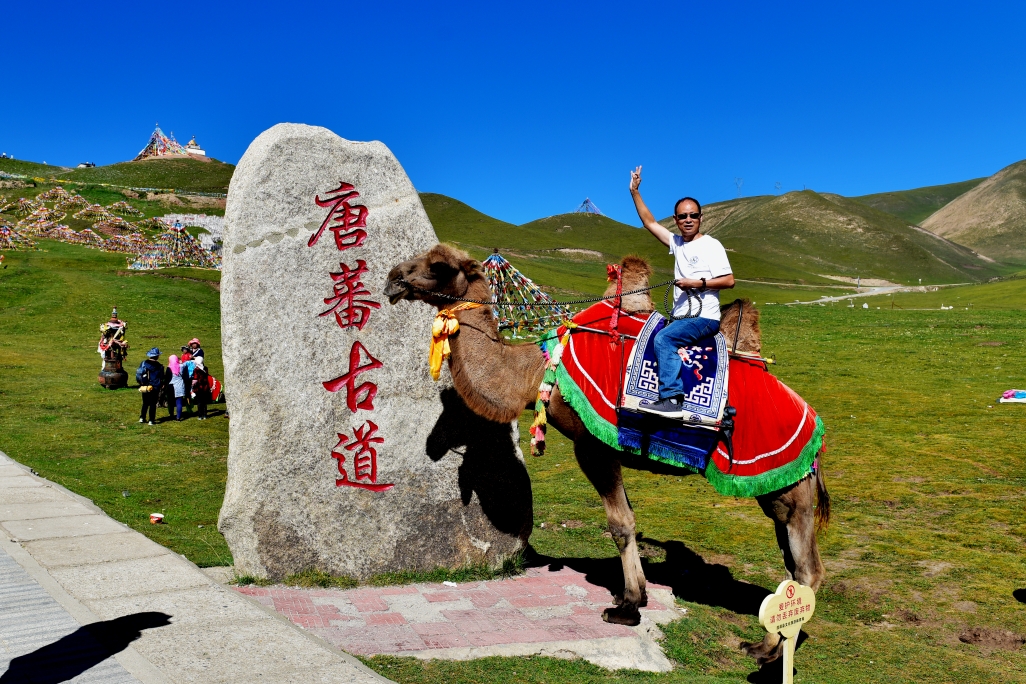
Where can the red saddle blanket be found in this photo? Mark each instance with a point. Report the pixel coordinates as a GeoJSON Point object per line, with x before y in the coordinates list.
{"type": "Point", "coordinates": [777, 434]}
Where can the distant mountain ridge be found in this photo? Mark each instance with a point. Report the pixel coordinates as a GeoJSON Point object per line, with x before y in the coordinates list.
{"type": "Point", "coordinates": [990, 218]}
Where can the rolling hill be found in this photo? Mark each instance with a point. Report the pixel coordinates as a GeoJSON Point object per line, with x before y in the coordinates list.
{"type": "Point", "coordinates": [913, 206]}
{"type": "Point", "coordinates": [180, 174]}
{"type": "Point", "coordinates": [990, 218]}
{"type": "Point", "coordinates": [28, 168]}
{"type": "Point", "coordinates": [830, 235]}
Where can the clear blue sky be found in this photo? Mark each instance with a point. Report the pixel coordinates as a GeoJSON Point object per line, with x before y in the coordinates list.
{"type": "Point", "coordinates": [522, 109]}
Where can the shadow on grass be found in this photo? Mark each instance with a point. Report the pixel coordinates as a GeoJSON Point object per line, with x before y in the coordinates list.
{"type": "Point", "coordinates": [81, 650]}
{"type": "Point", "coordinates": [1020, 595]}
{"type": "Point", "coordinates": [684, 571]}
{"type": "Point", "coordinates": [691, 579]}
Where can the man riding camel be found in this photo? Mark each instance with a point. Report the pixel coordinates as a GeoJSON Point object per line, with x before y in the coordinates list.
{"type": "Point", "coordinates": [701, 270]}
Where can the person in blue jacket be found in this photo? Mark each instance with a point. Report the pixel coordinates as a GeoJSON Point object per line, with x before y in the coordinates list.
{"type": "Point", "coordinates": [150, 377]}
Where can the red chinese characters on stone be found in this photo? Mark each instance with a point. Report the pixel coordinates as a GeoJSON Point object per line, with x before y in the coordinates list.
{"type": "Point", "coordinates": [354, 392]}
{"type": "Point", "coordinates": [347, 221]}
{"type": "Point", "coordinates": [365, 458]}
{"type": "Point", "coordinates": [348, 303]}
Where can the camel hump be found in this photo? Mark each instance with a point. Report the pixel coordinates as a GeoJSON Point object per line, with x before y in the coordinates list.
{"type": "Point", "coordinates": [635, 272]}
{"type": "Point", "coordinates": [635, 266]}
{"type": "Point", "coordinates": [750, 339]}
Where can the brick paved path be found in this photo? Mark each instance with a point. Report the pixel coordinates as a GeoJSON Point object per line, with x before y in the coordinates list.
{"type": "Point", "coordinates": [555, 612]}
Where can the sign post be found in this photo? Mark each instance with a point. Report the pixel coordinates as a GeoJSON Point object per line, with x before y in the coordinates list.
{"type": "Point", "coordinates": [784, 612]}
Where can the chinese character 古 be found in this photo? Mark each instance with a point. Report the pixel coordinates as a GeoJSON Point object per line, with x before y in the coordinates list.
{"type": "Point", "coordinates": [345, 220]}
{"type": "Point", "coordinates": [368, 390]}
{"type": "Point", "coordinates": [365, 458]}
{"type": "Point", "coordinates": [348, 303]}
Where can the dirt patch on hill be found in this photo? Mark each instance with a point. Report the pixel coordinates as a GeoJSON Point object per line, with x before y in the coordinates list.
{"type": "Point", "coordinates": [992, 639]}
{"type": "Point", "coordinates": [868, 282]}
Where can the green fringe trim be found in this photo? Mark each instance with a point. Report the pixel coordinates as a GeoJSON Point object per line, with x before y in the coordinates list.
{"type": "Point", "coordinates": [601, 428]}
{"type": "Point", "coordinates": [770, 481]}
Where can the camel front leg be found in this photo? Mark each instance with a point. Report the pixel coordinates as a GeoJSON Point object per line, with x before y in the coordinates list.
{"type": "Point", "coordinates": [793, 513]}
{"type": "Point", "coordinates": [602, 468]}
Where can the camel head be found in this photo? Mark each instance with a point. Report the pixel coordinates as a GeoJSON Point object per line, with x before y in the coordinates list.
{"type": "Point", "coordinates": [750, 339]}
{"type": "Point", "coordinates": [442, 270]}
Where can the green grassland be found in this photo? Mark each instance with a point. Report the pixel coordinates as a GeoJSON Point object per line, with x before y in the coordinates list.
{"type": "Point", "coordinates": [913, 206]}
{"type": "Point", "coordinates": [179, 174]}
{"type": "Point", "coordinates": [55, 417]}
{"type": "Point", "coordinates": [924, 467]}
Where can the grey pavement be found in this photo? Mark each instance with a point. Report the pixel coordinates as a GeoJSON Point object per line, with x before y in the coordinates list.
{"type": "Point", "coordinates": [77, 587]}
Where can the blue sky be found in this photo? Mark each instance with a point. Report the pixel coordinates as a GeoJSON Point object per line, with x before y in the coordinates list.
{"type": "Point", "coordinates": [523, 109]}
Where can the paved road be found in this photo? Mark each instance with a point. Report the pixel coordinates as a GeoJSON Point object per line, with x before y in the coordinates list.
{"type": "Point", "coordinates": [84, 598]}
{"type": "Point", "coordinates": [546, 611]}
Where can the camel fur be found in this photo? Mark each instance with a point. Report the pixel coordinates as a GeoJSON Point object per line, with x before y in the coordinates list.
{"type": "Point", "coordinates": [497, 380]}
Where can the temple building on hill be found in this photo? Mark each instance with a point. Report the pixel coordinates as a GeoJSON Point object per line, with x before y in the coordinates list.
{"type": "Point", "coordinates": [192, 147]}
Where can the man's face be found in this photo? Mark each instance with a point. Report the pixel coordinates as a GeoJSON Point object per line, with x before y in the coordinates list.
{"type": "Point", "coordinates": [687, 225]}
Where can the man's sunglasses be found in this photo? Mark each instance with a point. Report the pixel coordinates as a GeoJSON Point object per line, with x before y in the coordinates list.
{"type": "Point", "coordinates": [694, 215]}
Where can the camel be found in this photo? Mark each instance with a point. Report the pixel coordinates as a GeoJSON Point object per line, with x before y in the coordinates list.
{"type": "Point", "coordinates": [497, 380]}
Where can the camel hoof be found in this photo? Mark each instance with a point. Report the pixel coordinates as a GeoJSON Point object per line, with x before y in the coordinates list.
{"type": "Point", "coordinates": [618, 599]}
{"type": "Point", "coordinates": [622, 615]}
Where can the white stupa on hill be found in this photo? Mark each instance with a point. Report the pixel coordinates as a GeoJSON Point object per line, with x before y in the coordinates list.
{"type": "Point", "coordinates": [192, 147]}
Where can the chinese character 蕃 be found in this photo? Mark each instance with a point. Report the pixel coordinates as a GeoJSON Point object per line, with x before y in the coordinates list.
{"type": "Point", "coordinates": [348, 303]}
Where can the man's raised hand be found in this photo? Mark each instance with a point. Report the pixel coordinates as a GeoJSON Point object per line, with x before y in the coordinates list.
{"type": "Point", "coordinates": [635, 179]}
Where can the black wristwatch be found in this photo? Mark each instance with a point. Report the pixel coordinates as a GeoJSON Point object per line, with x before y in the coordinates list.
{"type": "Point", "coordinates": [704, 286]}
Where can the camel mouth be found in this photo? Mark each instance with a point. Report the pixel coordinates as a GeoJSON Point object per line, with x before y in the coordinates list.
{"type": "Point", "coordinates": [396, 290]}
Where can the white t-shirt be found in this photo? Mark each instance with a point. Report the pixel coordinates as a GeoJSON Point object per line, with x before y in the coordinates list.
{"type": "Point", "coordinates": [703, 257]}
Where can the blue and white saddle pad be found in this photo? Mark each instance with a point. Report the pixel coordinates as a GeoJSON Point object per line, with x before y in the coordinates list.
{"type": "Point", "coordinates": [704, 375]}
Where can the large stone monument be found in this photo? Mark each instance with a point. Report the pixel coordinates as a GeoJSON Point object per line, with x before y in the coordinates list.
{"type": "Point", "coordinates": [344, 455]}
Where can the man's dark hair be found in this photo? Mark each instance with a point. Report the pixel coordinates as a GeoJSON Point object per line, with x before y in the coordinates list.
{"type": "Point", "coordinates": [686, 199]}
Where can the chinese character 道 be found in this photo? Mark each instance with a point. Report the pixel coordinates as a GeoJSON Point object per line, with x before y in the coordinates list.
{"type": "Point", "coordinates": [365, 458]}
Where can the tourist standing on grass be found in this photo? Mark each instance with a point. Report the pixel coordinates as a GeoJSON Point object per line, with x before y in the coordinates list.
{"type": "Point", "coordinates": [178, 384]}
{"type": "Point", "coordinates": [150, 375]}
{"type": "Point", "coordinates": [195, 349]}
{"type": "Point", "coordinates": [187, 364]}
{"type": "Point", "coordinates": [701, 269]}
{"type": "Point", "coordinates": [201, 387]}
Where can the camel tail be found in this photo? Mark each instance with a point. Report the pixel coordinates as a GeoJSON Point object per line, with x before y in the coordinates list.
{"type": "Point", "coordinates": [823, 496]}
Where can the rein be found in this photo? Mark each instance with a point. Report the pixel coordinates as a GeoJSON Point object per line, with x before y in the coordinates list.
{"type": "Point", "coordinates": [515, 304]}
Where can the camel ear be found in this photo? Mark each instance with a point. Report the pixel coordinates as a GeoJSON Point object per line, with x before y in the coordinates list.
{"type": "Point", "coordinates": [470, 266]}
{"type": "Point", "coordinates": [443, 260]}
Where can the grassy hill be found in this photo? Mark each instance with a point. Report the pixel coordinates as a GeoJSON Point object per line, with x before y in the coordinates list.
{"type": "Point", "coordinates": [990, 218]}
{"type": "Point", "coordinates": [27, 168]}
{"type": "Point", "coordinates": [180, 174]}
{"type": "Point", "coordinates": [913, 206]}
{"type": "Point", "coordinates": [833, 235]}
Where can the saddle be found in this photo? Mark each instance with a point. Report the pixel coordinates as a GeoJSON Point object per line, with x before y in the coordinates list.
{"type": "Point", "coordinates": [745, 430]}
{"type": "Point", "coordinates": [709, 420]}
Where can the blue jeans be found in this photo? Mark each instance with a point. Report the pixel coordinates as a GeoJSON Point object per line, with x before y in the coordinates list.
{"type": "Point", "coordinates": [675, 335]}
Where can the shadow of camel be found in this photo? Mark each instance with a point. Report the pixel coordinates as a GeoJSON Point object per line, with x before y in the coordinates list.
{"type": "Point", "coordinates": [1019, 595]}
{"type": "Point", "coordinates": [684, 571]}
{"type": "Point", "coordinates": [490, 467]}
{"type": "Point", "coordinates": [690, 577]}
{"type": "Point", "coordinates": [81, 650]}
